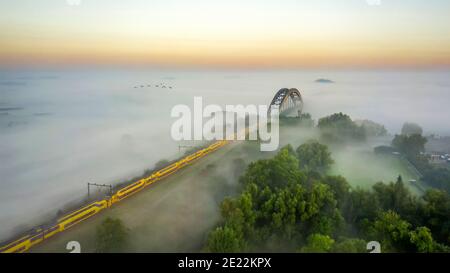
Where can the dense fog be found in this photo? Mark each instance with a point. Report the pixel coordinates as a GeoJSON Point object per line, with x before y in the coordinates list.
{"type": "Point", "coordinates": [60, 129]}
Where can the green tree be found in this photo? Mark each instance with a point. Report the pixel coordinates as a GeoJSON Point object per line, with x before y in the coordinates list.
{"type": "Point", "coordinates": [111, 236]}
{"type": "Point", "coordinates": [313, 156]}
{"type": "Point", "coordinates": [372, 128]}
{"type": "Point", "coordinates": [282, 209]}
{"type": "Point", "coordinates": [319, 197]}
{"type": "Point", "coordinates": [341, 190]}
{"type": "Point", "coordinates": [438, 178]}
{"type": "Point", "coordinates": [364, 206]}
{"type": "Point", "coordinates": [321, 212]}
{"type": "Point", "coordinates": [350, 245]}
{"type": "Point", "coordinates": [395, 197]}
{"type": "Point", "coordinates": [411, 145]}
{"type": "Point", "coordinates": [232, 214]}
{"type": "Point", "coordinates": [306, 120]}
{"type": "Point", "coordinates": [436, 213]}
{"type": "Point", "coordinates": [318, 243]}
{"type": "Point", "coordinates": [225, 240]}
{"type": "Point", "coordinates": [340, 128]}
{"type": "Point", "coordinates": [422, 239]}
{"type": "Point", "coordinates": [279, 171]}
{"type": "Point", "coordinates": [279, 207]}
{"type": "Point", "coordinates": [410, 129]}
{"type": "Point", "coordinates": [391, 231]}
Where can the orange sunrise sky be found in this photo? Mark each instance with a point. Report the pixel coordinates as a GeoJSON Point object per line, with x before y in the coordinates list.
{"type": "Point", "coordinates": [251, 33]}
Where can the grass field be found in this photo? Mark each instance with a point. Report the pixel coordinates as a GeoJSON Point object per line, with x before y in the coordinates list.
{"type": "Point", "coordinates": [365, 168]}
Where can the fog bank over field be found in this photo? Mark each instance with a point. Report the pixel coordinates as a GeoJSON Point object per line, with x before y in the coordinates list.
{"type": "Point", "coordinates": [62, 129]}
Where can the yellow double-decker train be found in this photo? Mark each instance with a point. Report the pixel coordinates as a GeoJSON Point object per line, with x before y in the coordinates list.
{"type": "Point", "coordinates": [40, 234]}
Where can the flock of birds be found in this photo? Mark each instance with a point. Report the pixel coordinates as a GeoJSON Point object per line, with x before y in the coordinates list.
{"type": "Point", "coordinates": [161, 85]}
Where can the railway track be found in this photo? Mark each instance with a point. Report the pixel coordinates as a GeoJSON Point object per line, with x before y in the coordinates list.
{"type": "Point", "coordinates": [38, 235]}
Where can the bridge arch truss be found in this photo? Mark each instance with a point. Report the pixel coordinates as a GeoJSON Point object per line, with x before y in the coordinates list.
{"type": "Point", "coordinates": [288, 101]}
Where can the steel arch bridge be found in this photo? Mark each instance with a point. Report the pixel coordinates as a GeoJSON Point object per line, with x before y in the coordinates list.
{"type": "Point", "coordinates": [288, 101]}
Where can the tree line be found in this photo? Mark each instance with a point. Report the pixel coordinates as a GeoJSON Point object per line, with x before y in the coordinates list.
{"type": "Point", "coordinates": [289, 204]}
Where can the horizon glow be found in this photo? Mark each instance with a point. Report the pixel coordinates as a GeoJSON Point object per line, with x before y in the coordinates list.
{"type": "Point", "coordinates": [251, 33]}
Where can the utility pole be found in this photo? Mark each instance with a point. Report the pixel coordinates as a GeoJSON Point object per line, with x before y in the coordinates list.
{"type": "Point", "coordinates": [99, 185]}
